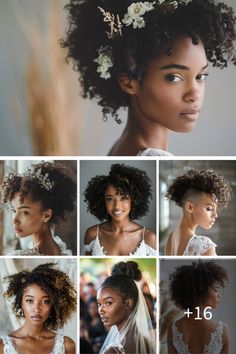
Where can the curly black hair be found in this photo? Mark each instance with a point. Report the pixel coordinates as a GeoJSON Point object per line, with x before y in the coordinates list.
{"type": "Point", "coordinates": [127, 180]}
{"type": "Point", "coordinates": [123, 276]}
{"type": "Point", "coordinates": [54, 282]}
{"type": "Point", "coordinates": [209, 182]}
{"type": "Point", "coordinates": [60, 197]}
{"type": "Point", "coordinates": [209, 20]}
{"type": "Point", "coordinates": [189, 284]}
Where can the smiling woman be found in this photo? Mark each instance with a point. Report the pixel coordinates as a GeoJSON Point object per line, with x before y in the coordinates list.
{"type": "Point", "coordinates": [117, 199]}
{"type": "Point", "coordinates": [151, 57]}
{"type": "Point", "coordinates": [45, 299]}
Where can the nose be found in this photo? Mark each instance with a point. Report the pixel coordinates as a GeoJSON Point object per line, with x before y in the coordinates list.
{"type": "Point", "coordinates": [37, 308]}
{"type": "Point", "coordinates": [117, 203]}
{"type": "Point", "coordinates": [194, 92]}
{"type": "Point", "coordinates": [15, 219]}
{"type": "Point", "coordinates": [215, 214]}
{"type": "Point", "coordinates": [101, 310]}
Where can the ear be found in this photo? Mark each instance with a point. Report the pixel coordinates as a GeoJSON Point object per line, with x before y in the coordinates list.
{"type": "Point", "coordinates": [129, 304]}
{"type": "Point", "coordinates": [188, 206]}
{"type": "Point", "coordinates": [47, 215]}
{"type": "Point", "coordinates": [128, 85]}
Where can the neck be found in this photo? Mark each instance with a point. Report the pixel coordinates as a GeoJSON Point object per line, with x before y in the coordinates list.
{"type": "Point", "coordinates": [187, 226]}
{"type": "Point", "coordinates": [29, 330]}
{"type": "Point", "coordinates": [120, 226]}
{"type": "Point", "coordinates": [43, 236]}
{"type": "Point", "coordinates": [139, 134]}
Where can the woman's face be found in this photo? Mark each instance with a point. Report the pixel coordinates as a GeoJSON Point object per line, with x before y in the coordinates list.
{"type": "Point", "coordinates": [118, 205]}
{"type": "Point", "coordinates": [111, 307]}
{"type": "Point", "coordinates": [28, 216]}
{"type": "Point", "coordinates": [213, 298]}
{"type": "Point", "coordinates": [171, 94]}
{"type": "Point", "coordinates": [36, 305]}
{"type": "Point", "coordinates": [204, 211]}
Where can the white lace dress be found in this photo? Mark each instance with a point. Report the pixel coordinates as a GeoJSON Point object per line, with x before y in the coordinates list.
{"type": "Point", "coordinates": [97, 249]}
{"type": "Point", "coordinates": [119, 349]}
{"type": "Point", "coordinates": [215, 345]}
{"type": "Point", "coordinates": [198, 245]}
{"type": "Point", "coordinates": [34, 251]}
{"type": "Point", "coordinates": [154, 152]}
{"type": "Point", "coordinates": [58, 348]}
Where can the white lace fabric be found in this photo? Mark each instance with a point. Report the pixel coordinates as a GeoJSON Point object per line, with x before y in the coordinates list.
{"type": "Point", "coordinates": [34, 251]}
{"type": "Point", "coordinates": [119, 349]}
{"type": "Point", "coordinates": [153, 152]}
{"type": "Point", "coordinates": [58, 348]}
{"type": "Point", "coordinates": [198, 245]}
{"type": "Point", "coordinates": [215, 345]}
{"type": "Point", "coordinates": [98, 250]}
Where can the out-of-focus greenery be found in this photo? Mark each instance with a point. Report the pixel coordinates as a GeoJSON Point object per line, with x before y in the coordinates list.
{"type": "Point", "coordinates": [97, 266]}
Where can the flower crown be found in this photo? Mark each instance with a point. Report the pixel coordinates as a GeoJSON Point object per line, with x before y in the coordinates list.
{"type": "Point", "coordinates": [43, 180]}
{"type": "Point", "coordinates": [134, 17]}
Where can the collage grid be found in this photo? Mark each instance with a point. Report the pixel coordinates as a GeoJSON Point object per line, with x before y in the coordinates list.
{"type": "Point", "coordinates": [88, 272]}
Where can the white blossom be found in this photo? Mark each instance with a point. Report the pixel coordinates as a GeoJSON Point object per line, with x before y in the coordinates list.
{"type": "Point", "coordinates": [104, 61]}
{"type": "Point", "coordinates": [135, 13]}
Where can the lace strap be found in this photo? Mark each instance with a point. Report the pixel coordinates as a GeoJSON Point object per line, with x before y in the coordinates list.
{"type": "Point", "coordinates": [8, 345]}
{"type": "Point", "coordinates": [90, 246]}
{"type": "Point", "coordinates": [178, 342]}
{"type": "Point", "coordinates": [59, 347]}
{"type": "Point", "coordinates": [144, 229]}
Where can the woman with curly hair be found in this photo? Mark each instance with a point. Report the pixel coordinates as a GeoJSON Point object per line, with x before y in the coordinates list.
{"type": "Point", "coordinates": [39, 199]}
{"type": "Point", "coordinates": [151, 57]}
{"type": "Point", "coordinates": [195, 287]}
{"type": "Point", "coordinates": [201, 195]}
{"type": "Point", "coordinates": [117, 199]}
{"type": "Point", "coordinates": [45, 299]}
{"type": "Point", "coordinates": [123, 311]}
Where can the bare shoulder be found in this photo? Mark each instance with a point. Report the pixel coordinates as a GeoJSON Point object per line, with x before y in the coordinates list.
{"type": "Point", "coordinates": [69, 345]}
{"type": "Point", "coordinates": [1, 346]}
{"type": "Point", "coordinates": [210, 252]}
{"type": "Point", "coordinates": [90, 234]}
{"type": "Point", "coordinates": [150, 238]}
{"type": "Point", "coordinates": [168, 245]}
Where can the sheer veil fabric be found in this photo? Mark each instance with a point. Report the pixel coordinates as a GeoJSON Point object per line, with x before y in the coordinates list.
{"type": "Point", "coordinates": [137, 334]}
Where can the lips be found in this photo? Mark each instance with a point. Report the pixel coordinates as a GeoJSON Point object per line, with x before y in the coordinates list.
{"type": "Point", "coordinates": [17, 230]}
{"type": "Point", "coordinates": [189, 111]}
{"type": "Point", "coordinates": [117, 212]}
{"type": "Point", "coordinates": [104, 319]}
{"type": "Point", "coordinates": [36, 318]}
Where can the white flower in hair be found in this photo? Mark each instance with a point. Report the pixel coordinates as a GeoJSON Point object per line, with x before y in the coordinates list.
{"type": "Point", "coordinates": [104, 61]}
{"type": "Point", "coordinates": [135, 13]}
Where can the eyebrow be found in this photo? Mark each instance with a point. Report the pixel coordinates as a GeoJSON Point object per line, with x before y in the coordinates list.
{"type": "Point", "coordinates": [179, 66]}
{"type": "Point", "coordinates": [24, 207]}
{"type": "Point", "coordinates": [31, 296]}
{"type": "Point", "coordinates": [105, 298]}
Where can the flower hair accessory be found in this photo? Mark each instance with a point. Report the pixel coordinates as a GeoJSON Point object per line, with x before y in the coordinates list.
{"type": "Point", "coordinates": [135, 12]}
{"type": "Point", "coordinates": [114, 23]}
{"type": "Point", "coordinates": [105, 61]}
{"type": "Point", "coordinates": [43, 180]}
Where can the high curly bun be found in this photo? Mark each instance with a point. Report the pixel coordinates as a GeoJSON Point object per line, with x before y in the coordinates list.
{"type": "Point", "coordinates": [124, 275]}
{"type": "Point", "coordinates": [130, 269]}
{"type": "Point", "coordinates": [208, 182]}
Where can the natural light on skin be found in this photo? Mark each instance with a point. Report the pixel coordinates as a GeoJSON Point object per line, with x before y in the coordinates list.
{"type": "Point", "coordinates": [118, 205]}
{"type": "Point", "coordinates": [169, 98]}
{"type": "Point", "coordinates": [36, 305]}
{"type": "Point", "coordinates": [111, 307]}
{"type": "Point", "coordinates": [28, 216]}
{"type": "Point", "coordinates": [204, 211]}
